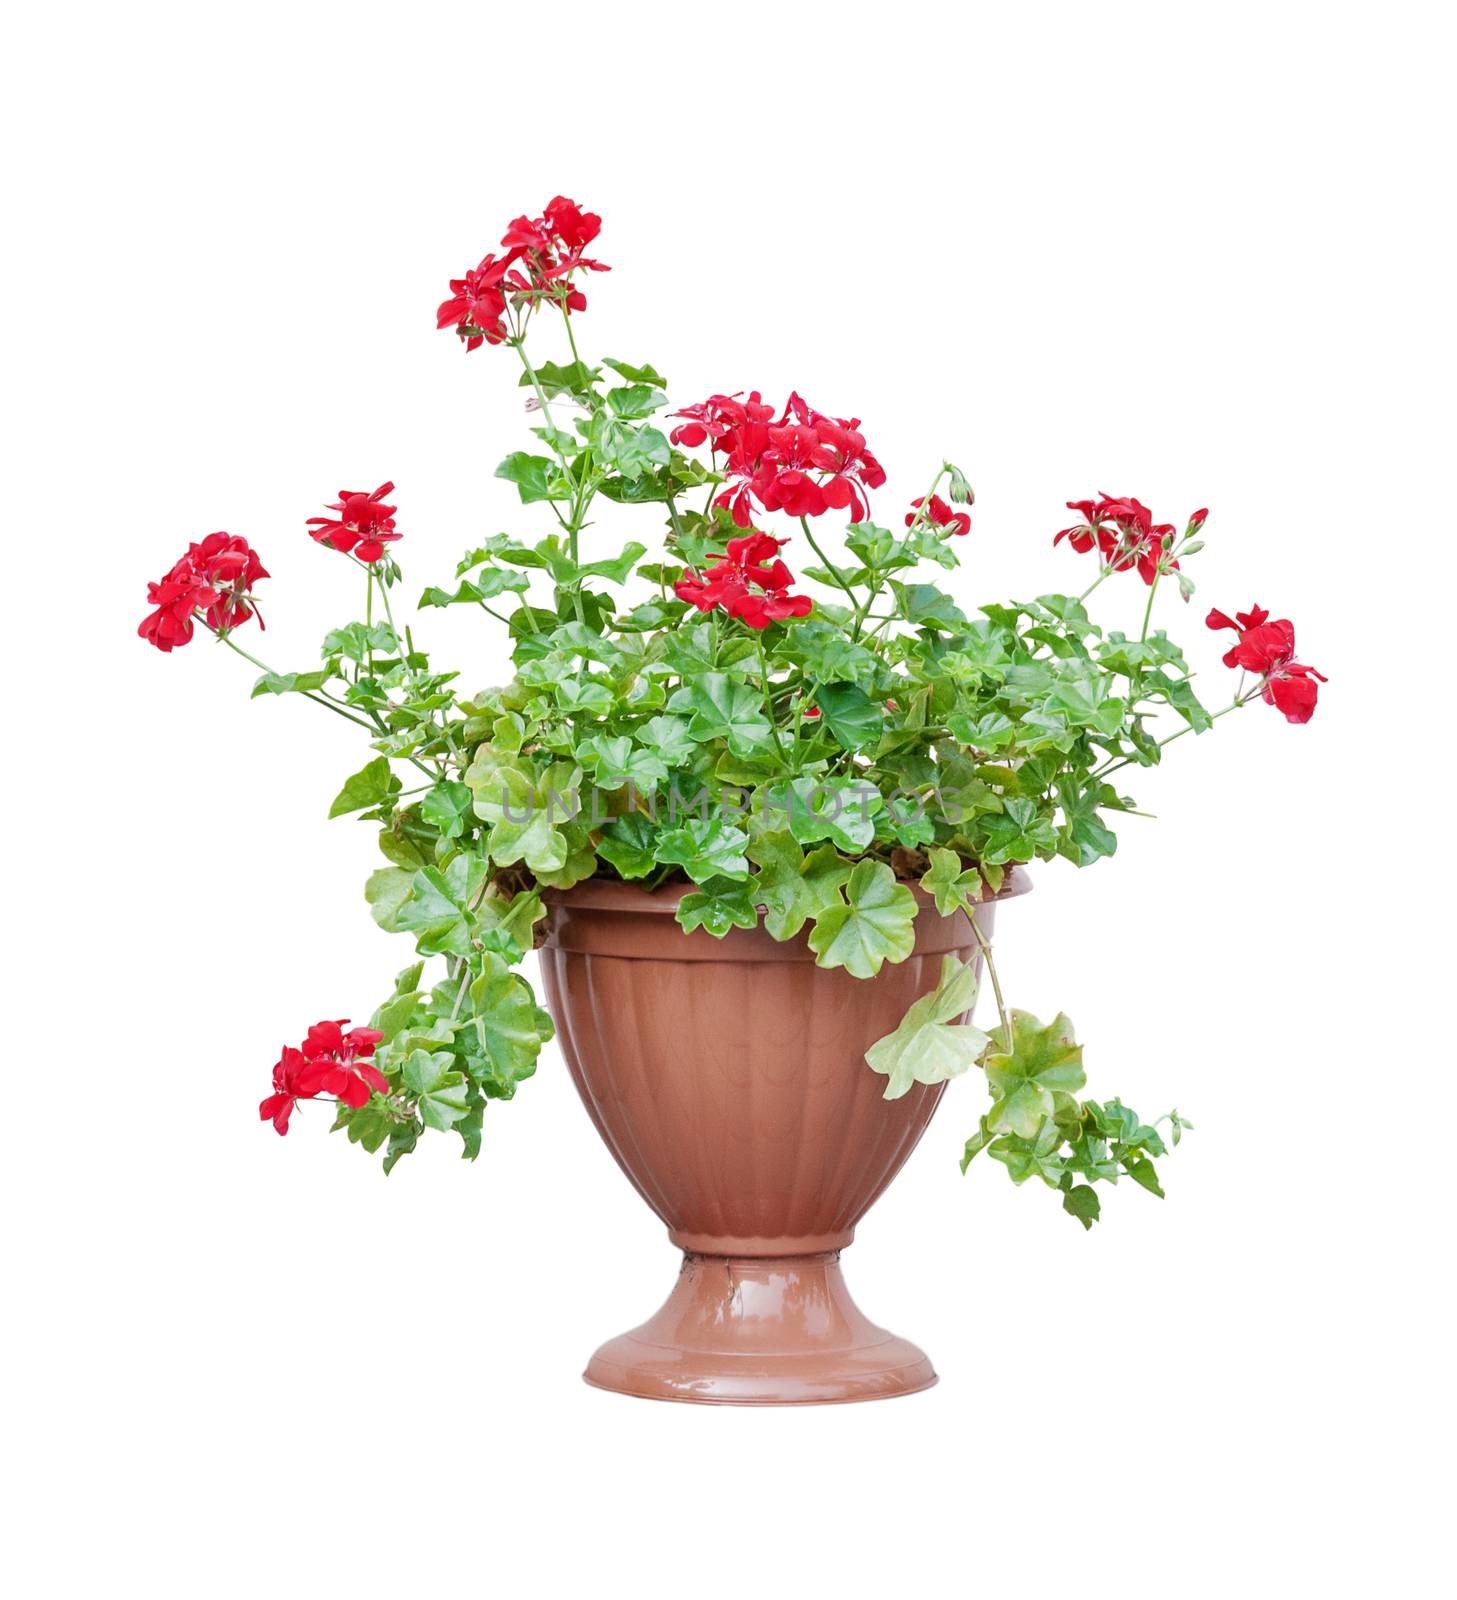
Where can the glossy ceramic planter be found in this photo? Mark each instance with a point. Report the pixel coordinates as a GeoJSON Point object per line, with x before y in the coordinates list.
{"type": "Point", "coordinates": [727, 1076]}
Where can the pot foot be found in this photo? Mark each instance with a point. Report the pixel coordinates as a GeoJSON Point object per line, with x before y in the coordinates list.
{"type": "Point", "coordinates": [760, 1330]}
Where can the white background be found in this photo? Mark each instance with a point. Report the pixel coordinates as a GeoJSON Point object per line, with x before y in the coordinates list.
{"type": "Point", "coordinates": [1193, 254]}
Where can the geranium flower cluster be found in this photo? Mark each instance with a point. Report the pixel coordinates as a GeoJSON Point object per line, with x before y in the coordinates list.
{"type": "Point", "coordinates": [328, 1062]}
{"type": "Point", "coordinates": [1125, 535]}
{"type": "Point", "coordinates": [212, 580]}
{"type": "Point", "coordinates": [1268, 649]}
{"type": "Point", "coordinates": [364, 526]}
{"type": "Point", "coordinates": [542, 254]}
{"type": "Point", "coordinates": [804, 463]}
{"type": "Point", "coordinates": [750, 583]}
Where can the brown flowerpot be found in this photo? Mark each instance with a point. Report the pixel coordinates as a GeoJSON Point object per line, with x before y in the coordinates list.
{"type": "Point", "coordinates": [728, 1078]}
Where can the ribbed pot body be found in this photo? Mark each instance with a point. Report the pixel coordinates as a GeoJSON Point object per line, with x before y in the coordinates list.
{"type": "Point", "coordinates": [728, 1076]}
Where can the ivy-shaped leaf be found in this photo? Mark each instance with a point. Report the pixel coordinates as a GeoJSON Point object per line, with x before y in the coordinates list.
{"type": "Point", "coordinates": [386, 891]}
{"type": "Point", "coordinates": [629, 843]}
{"type": "Point", "coordinates": [842, 810]}
{"type": "Point", "coordinates": [367, 789]}
{"type": "Point", "coordinates": [724, 708]}
{"type": "Point", "coordinates": [705, 849]}
{"type": "Point", "coordinates": [505, 1022]}
{"type": "Point", "coordinates": [875, 923]}
{"type": "Point", "coordinates": [932, 1044]}
{"type": "Point", "coordinates": [718, 905]}
{"type": "Point", "coordinates": [439, 1090]}
{"type": "Point", "coordinates": [954, 887]}
{"type": "Point", "coordinates": [793, 887]}
{"type": "Point", "coordinates": [852, 717]}
{"type": "Point", "coordinates": [535, 477]}
{"type": "Point", "coordinates": [1026, 1072]}
{"type": "Point", "coordinates": [437, 910]}
{"type": "Point", "coordinates": [447, 807]}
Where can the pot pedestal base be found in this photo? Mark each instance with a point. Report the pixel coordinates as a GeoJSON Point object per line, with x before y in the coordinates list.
{"type": "Point", "coordinates": [760, 1330]}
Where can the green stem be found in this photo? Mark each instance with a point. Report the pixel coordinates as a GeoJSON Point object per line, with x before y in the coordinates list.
{"type": "Point", "coordinates": [984, 945]}
{"type": "Point", "coordinates": [1234, 705]}
{"type": "Point", "coordinates": [769, 700]}
{"type": "Point", "coordinates": [834, 571]}
{"type": "Point", "coordinates": [540, 396]}
{"type": "Point", "coordinates": [1094, 584]}
{"type": "Point", "coordinates": [567, 318]}
{"type": "Point", "coordinates": [262, 666]}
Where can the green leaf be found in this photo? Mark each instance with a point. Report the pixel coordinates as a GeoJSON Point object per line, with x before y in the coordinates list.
{"type": "Point", "coordinates": [1025, 1073]}
{"type": "Point", "coordinates": [852, 717]}
{"type": "Point", "coordinates": [975, 1145]}
{"type": "Point", "coordinates": [955, 888]}
{"type": "Point", "coordinates": [440, 1091]}
{"type": "Point", "coordinates": [875, 923]}
{"type": "Point", "coordinates": [616, 568]}
{"type": "Point", "coordinates": [669, 736]}
{"type": "Point", "coordinates": [524, 808]}
{"type": "Point", "coordinates": [504, 922]}
{"type": "Point", "coordinates": [926, 606]}
{"type": "Point", "coordinates": [486, 585]}
{"type": "Point", "coordinates": [448, 808]}
{"type": "Point", "coordinates": [632, 451]}
{"type": "Point", "coordinates": [629, 844]}
{"type": "Point", "coordinates": [1123, 1126]}
{"type": "Point", "coordinates": [932, 1044]}
{"type": "Point", "coordinates": [724, 709]}
{"type": "Point", "coordinates": [291, 682]}
{"type": "Point", "coordinates": [987, 733]}
{"type": "Point", "coordinates": [635, 401]}
{"type": "Point", "coordinates": [705, 849]}
{"type": "Point", "coordinates": [616, 762]}
{"type": "Point", "coordinates": [386, 891]}
{"type": "Point", "coordinates": [791, 886]}
{"type": "Point", "coordinates": [1031, 1157]}
{"type": "Point", "coordinates": [437, 909]}
{"type": "Point", "coordinates": [1018, 833]}
{"type": "Point", "coordinates": [535, 477]}
{"type": "Point", "coordinates": [718, 905]}
{"type": "Point", "coordinates": [572, 377]}
{"type": "Point", "coordinates": [644, 374]}
{"type": "Point", "coordinates": [506, 1025]}
{"type": "Point", "coordinates": [358, 642]}
{"type": "Point", "coordinates": [1084, 835]}
{"type": "Point", "coordinates": [371, 786]}
{"type": "Point", "coordinates": [841, 810]}
{"type": "Point", "coordinates": [1142, 1171]}
{"type": "Point", "coordinates": [1081, 1201]}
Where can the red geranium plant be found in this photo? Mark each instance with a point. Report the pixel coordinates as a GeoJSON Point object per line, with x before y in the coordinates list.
{"type": "Point", "coordinates": [872, 734]}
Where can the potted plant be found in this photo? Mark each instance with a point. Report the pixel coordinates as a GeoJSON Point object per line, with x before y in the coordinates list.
{"type": "Point", "coordinates": [760, 835]}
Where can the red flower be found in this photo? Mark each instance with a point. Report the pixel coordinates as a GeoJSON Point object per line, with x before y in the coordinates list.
{"type": "Point", "coordinates": [804, 464]}
{"type": "Point", "coordinates": [851, 467]}
{"type": "Point", "coordinates": [364, 526]}
{"type": "Point", "coordinates": [1243, 622]}
{"type": "Point", "coordinates": [1124, 531]}
{"type": "Point", "coordinates": [750, 583]}
{"type": "Point", "coordinates": [940, 515]}
{"type": "Point", "coordinates": [328, 1062]}
{"type": "Point", "coordinates": [342, 1061]}
{"type": "Point", "coordinates": [295, 1078]}
{"type": "Point", "coordinates": [1268, 649]}
{"type": "Point", "coordinates": [476, 305]}
{"type": "Point", "coordinates": [717, 418]}
{"type": "Point", "coordinates": [549, 247]}
{"type": "Point", "coordinates": [214, 578]}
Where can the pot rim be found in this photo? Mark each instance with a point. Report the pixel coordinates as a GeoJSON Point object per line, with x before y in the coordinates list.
{"type": "Point", "coordinates": [608, 894]}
